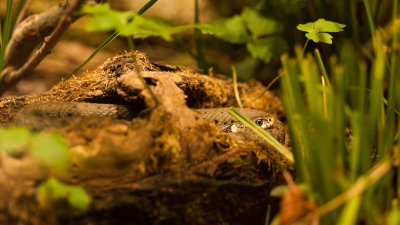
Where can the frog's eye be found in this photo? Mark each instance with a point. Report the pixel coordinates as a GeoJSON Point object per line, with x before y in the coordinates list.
{"type": "Point", "coordinates": [265, 122]}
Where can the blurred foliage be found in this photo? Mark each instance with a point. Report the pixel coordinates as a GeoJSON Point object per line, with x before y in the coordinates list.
{"type": "Point", "coordinates": [48, 148]}
{"type": "Point", "coordinates": [76, 196]}
{"type": "Point", "coordinates": [51, 150]}
{"type": "Point", "coordinates": [258, 33]}
{"type": "Point", "coordinates": [127, 23]}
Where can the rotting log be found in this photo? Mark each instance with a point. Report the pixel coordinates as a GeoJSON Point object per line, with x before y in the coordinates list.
{"type": "Point", "coordinates": [166, 166]}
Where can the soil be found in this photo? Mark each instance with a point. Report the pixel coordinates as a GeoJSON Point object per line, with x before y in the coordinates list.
{"type": "Point", "coordinates": [166, 166]}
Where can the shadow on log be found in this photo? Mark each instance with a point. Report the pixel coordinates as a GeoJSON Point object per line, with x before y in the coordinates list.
{"type": "Point", "coordinates": [166, 166]}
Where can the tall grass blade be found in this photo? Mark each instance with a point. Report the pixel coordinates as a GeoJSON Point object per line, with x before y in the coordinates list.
{"type": "Point", "coordinates": [201, 59]}
{"type": "Point", "coordinates": [6, 32]}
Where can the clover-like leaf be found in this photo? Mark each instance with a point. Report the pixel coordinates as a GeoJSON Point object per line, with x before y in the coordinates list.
{"type": "Point", "coordinates": [318, 31]}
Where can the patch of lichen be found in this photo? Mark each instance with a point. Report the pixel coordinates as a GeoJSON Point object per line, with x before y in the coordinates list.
{"type": "Point", "coordinates": [166, 156]}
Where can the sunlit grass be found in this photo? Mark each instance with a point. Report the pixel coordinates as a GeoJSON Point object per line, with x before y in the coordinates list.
{"type": "Point", "coordinates": [340, 131]}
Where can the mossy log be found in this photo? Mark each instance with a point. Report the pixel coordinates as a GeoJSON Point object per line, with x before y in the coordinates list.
{"type": "Point", "coordinates": [166, 166]}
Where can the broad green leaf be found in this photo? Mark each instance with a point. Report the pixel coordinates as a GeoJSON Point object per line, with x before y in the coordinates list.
{"type": "Point", "coordinates": [259, 25]}
{"type": "Point", "coordinates": [232, 30]}
{"type": "Point", "coordinates": [317, 31]}
{"type": "Point", "coordinates": [128, 24]}
{"type": "Point", "coordinates": [105, 19]}
{"type": "Point", "coordinates": [267, 48]}
{"type": "Point", "coordinates": [14, 139]}
{"type": "Point", "coordinates": [143, 27]}
{"type": "Point", "coordinates": [51, 149]}
{"type": "Point", "coordinates": [78, 198]}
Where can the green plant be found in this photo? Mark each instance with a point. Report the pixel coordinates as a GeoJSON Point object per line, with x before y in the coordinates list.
{"type": "Point", "coordinates": [53, 189]}
{"type": "Point", "coordinates": [342, 134]}
{"type": "Point", "coordinates": [117, 20]}
{"type": "Point", "coordinates": [51, 150]}
{"type": "Point", "coordinates": [260, 34]}
{"type": "Point", "coordinates": [5, 32]}
{"type": "Point", "coordinates": [319, 30]}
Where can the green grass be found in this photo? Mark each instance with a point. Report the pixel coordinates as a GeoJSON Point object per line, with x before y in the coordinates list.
{"type": "Point", "coordinates": [343, 126]}
{"type": "Point", "coordinates": [5, 32]}
{"type": "Point", "coordinates": [350, 169]}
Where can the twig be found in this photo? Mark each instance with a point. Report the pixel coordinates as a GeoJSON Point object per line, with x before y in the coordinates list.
{"type": "Point", "coordinates": [31, 32]}
{"type": "Point", "coordinates": [10, 76]}
{"type": "Point", "coordinates": [24, 12]}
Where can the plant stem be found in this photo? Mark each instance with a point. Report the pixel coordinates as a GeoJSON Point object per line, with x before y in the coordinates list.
{"type": "Point", "coordinates": [109, 40]}
{"type": "Point", "coordinates": [235, 87]}
{"type": "Point", "coordinates": [101, 47]}
{"type": "Point", "coordinates": [305, 46]}
{"type": "Point", "coordinates": [201, 60]}
{"type": "Point", "coordinates": [147, 6]}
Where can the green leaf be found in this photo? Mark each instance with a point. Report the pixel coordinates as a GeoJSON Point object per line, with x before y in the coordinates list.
{"type": "Point", "coordinates": [317, 31]}
{"type": "Point", "coordinates": [13, 139]}
{"type": "Point", "coordinates": [143, 27]}
{"type": "Point", "coordinates": [128, 24]}
{"type": "Point", "coordinates": [51, 149]}
{"type": "Point", "coordinates": [53, 189]}
{"type": "Point", "coordinates": [259, 25]}
{"type": "Point", "coordinates": [320, 37]}
{"type": "Point", "coordinates": [78, 198]}
{"type": "Point", "coordinates": [105, 19]}
{"type": "Point", "coordinates": [232, 30]}
{"type": "Point", "coordinates": [267, 48]}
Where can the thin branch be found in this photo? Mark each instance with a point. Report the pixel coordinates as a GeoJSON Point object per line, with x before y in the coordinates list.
{"type": "Point", "coordinates": [10, 76]}
{"type": "Point", "coordinates": [30, 33]}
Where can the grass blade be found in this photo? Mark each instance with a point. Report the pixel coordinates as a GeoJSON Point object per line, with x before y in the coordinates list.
{"type": "Point", "coordinates": [109, 40]}
{"type": "Point", "coordinates": [257, 129]}
{"type": "Point", "coordinates": [6, 32]}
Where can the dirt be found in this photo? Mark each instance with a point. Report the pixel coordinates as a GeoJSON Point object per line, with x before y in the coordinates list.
{"type": "Point", "coordinates": [166, 166]}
